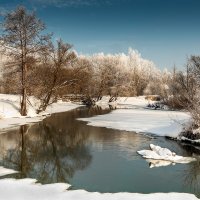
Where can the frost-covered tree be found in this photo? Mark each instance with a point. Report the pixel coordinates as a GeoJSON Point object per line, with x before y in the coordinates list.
{"type": "Point", "coordinates": [122, 74]}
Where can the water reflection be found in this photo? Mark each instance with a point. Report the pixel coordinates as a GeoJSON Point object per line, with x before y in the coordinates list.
{"type": "Point", "coordinates": [49, 151]}
{"type": "Point", "coordinates": [192, 174]}
{"type": "Point", "coordinates": [63, 149]}
{"type": "Point", "coordinates": [192, 177]}
{"type": "Point", "coordinates": [159, 163]}
{"type": "Point", "coordinates": [47, 154]}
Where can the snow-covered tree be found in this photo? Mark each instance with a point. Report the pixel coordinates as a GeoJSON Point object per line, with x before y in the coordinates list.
{"type": "Point", "coordinates": [122, 74]}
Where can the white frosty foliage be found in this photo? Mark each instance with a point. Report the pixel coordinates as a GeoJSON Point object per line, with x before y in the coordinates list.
{"type": "Point", "coordinates": [126, 62]}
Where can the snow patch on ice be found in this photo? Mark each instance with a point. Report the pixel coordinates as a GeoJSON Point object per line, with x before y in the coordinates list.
{"type": "Point", "coordinates": [159, 153]}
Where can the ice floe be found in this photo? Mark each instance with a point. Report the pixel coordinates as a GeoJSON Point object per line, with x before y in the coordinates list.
{"type": "Point", "coordinates": [164, 154]}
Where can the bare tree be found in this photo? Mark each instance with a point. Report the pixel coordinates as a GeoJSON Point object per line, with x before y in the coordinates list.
{"type": "Point", "coordinates": [57, 60]}
{"type": "Point", "coordinates": [22, 39]}
{"type": "Point", "coordinates": [183, 88]}
{"type": "Point", "coordinates": [194, 90]}
{"type": "Point", "coordinates": [82, 72]}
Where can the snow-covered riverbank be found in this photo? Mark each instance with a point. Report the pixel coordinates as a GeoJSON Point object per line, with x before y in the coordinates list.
{"type": "Point", "coordinates": [161, 123]}
{"type": "Point", "coordinates": [11, 189]}
{"type": "Point", "coordinates": [131, 111]}
{"type": "Point", "coordinates": [11, 117]}
{"type": "Point", "coordinates": [140, 119]}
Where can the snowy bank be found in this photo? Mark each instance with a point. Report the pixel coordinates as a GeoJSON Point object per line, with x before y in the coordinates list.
{"type": "Point", "coordinates": [5, 171]}
{"type": "Point", "coordinates": [158, 122]}
{"type": "Point", "coordinates": [125, 102]}
{"type": "Point", "coordinates": [29, 189]}
{"type": "Point", "coordinates": [182, 138]}
{"type": "Point", "coordinates": [132, 115]}
{"type": "Point", "coordinates": [11, 189]}
{"type": "Point", "coordinates": [10, 110]}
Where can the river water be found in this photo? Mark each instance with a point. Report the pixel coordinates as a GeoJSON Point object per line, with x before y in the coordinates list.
{"type": "Point", "coordinates": [63, 149]}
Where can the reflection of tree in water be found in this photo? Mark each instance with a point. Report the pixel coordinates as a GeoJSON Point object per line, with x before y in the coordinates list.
{"type": "Point", "coordinates": [49, 151]}
{"type": "Point", "coordinates": [14, 154]}
{"type": "Point", "coordinates": [192, 174]}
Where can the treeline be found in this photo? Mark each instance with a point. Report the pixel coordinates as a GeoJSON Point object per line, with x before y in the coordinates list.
{"type": "Point", "coordinates": [36, 66]}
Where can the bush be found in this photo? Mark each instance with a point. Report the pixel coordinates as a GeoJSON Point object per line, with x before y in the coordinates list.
{"type": "Point", "coordinates": [192, 132]}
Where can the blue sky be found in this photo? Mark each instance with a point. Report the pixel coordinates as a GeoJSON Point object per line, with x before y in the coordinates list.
{"type": "Point", "coordinates": [164, 31]}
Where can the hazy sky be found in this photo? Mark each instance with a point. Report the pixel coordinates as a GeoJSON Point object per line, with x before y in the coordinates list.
{"type": "Point", "coordinates": [164, 31]}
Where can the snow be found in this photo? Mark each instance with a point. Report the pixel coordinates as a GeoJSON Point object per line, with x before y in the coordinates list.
{"type": "Point", "coordinates": [159, 153]}
{"type": "Point", "coordinates": [125, 102]}
{"type": "Point", "coordinates": [4, 171]}
{"type": "Point", "coordinates": [158, 122]}
{"type": "Point", "coordinates": [10, 105]}
{"type": "Point", "coordinates": [17, 121]}
{"type": "Point", "coordinates": [182, 138]}
{"type": "Point", "coordinates": [136, 117]}
{"type": "Point", "coordinates": [61, 107]}
{"type": "Point", "coordinates": [11, 189]}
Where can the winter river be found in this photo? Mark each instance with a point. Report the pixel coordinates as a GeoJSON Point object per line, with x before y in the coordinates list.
{"type": "Point", "coordinates": [63, 149]}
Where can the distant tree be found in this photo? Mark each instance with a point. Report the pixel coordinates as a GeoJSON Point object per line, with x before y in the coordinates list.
{"type": "Point", "coordinates": [22, 40]}
{"type": "Point", "coordinates": [193, 85]}
{"type": "Point", "coordinates": [82, 72]}
{"type": "Point", "coordinates": [183, 88]}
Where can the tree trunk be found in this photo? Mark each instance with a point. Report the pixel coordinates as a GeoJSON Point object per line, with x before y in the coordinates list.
{"type": "Point", "coordinates": [46, 100]}
{"type": "Point", "coordinates": [24, 92]}
{"type": "Point", "coordinates": [24, 165]}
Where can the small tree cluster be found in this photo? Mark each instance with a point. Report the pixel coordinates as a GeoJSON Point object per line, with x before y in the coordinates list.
{"type": "Point", "coordinates": [120, 74]}
{"type": "Point", "coordinates": [35, 66]}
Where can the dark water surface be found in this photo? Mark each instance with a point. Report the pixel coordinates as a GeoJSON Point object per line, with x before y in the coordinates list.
{"type": "Point", "coordinates": [63, 149]}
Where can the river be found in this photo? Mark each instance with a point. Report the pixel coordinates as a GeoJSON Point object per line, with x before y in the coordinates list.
{"type": "Point", "coordinates": [62, 149]}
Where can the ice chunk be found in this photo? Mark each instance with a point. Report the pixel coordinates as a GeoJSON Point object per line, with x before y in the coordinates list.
{"type": "Point", "coordinates": [159, 153]}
